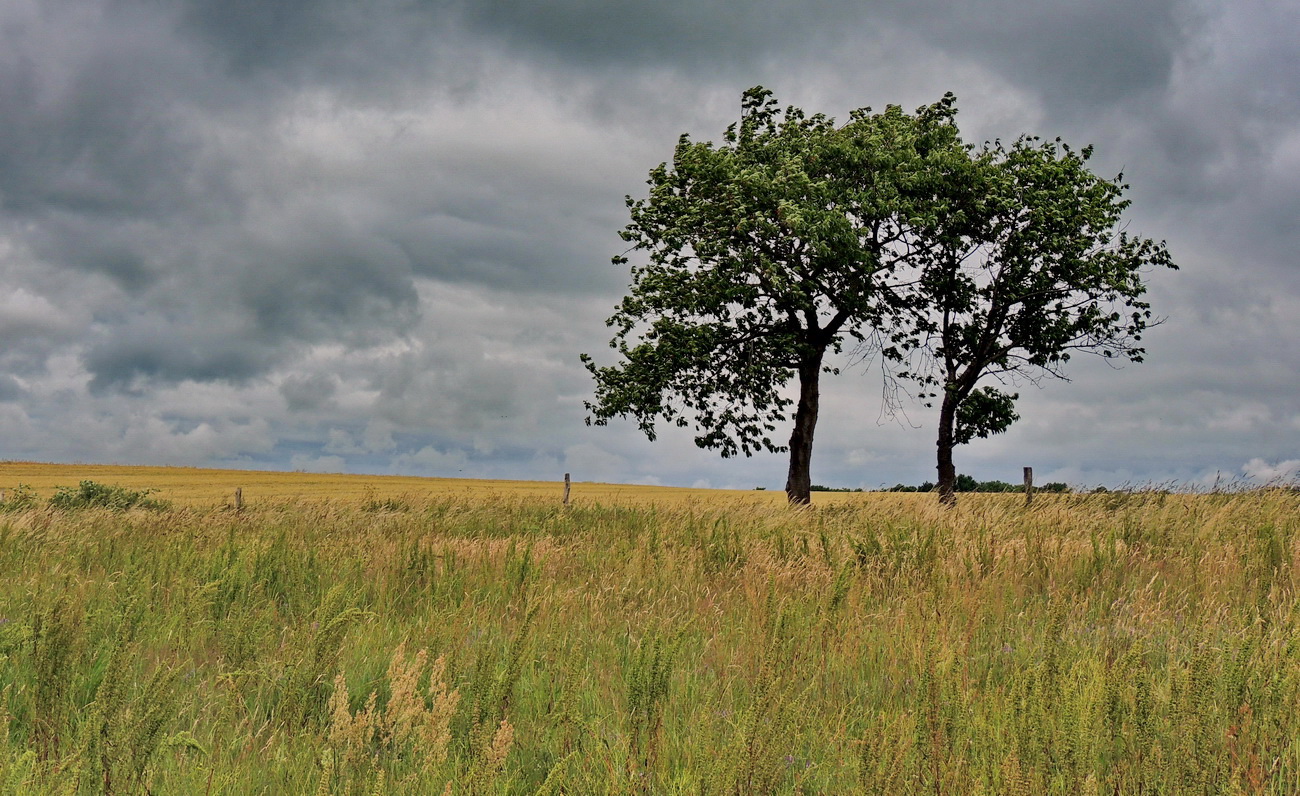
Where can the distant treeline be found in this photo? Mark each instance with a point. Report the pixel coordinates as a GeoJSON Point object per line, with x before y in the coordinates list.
{"type": "Point", "coordinates": [966, 483]}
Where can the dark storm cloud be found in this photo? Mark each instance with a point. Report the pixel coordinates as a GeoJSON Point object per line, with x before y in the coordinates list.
{"type": "Point", "coordinates": [138, 354]}
{"type": "Point", "coordinates": [590, 33]}
{"type": "Point", "coordinates": [329, 286]}
{"type": "Point", "coordinates": [257, 37]}
{"type": "Point", "coordinates": [1076, 56]}
{"type": "Point", "coordinates": [83, 135]}
{"type": "Point", "coordinates": [112, 164]}
{"type": "Point", "coordinates": [121, 248]}
{"type": "Point", "coordinates": [306, 393]}
{"type": "Point", "coordinates": [344, 41]}
{"type": "Point", "coordinates": [1079, 54]}
{"type": "Point", "coordinates": [374, 51]}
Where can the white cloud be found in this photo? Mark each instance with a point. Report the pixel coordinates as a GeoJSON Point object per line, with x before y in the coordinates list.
{"type": "Point", "coordinates": [24, 314]}
{"type": "Point", "coordinates": [1272, 472]}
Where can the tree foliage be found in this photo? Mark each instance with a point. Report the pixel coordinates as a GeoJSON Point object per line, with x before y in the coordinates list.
{"type": "Point", "coordinates": [755, 260]}
{"type": "Point", "coordinates": [1030, 264]}
{"type": "Point", "coordinates": [758, 257]}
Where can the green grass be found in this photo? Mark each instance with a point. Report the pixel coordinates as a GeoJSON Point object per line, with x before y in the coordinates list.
{"type": "Point", "coordinates": [1133, 644]}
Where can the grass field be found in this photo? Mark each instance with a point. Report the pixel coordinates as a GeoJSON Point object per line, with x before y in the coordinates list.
{"type": "Point", "coordinates": [431, 637]}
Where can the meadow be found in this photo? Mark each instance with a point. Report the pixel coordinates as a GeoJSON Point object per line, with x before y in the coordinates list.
{"type": "Point", "coordinates": [418, 638]}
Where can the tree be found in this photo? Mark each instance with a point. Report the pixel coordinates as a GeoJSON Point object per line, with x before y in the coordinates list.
{"type": "Point", "coordinates": [1027, 266]}
{"type": "Point", "coordinates": [761, 257]}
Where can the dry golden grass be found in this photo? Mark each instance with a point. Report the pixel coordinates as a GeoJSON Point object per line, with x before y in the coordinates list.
{"type": "Point", "coordinates": [190, 486]}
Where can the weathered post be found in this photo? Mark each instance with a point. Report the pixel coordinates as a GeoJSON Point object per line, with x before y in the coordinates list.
{"type": "Point", "coordinates": [566, 489]}
{"type": "Point", "coordinates": [1029, 485]}
{"type": "Point", "coordinates": [239, 498]}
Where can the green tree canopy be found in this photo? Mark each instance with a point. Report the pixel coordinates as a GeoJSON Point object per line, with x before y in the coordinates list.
{"type": "Point", "coordinates": [754, 260]}
{"type": "Point", "coordinates": [1029, 265]}
{"type": "Point", "coordinates": [758, 257]}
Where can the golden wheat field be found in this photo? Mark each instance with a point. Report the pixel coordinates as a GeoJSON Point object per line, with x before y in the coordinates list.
{"type": "Point", "coordinates": [187, 486]}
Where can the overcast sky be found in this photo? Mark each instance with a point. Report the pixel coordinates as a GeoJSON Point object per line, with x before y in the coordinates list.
{"type": "Point", "coordinates": [375, 236]}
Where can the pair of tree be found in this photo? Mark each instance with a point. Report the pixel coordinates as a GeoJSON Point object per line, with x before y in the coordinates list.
{"type": "Point", "coordinates": [765, 256]}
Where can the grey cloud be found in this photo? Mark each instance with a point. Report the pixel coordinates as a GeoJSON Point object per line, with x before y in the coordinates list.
{"type": "Point", "coordinates": [341, 40]}
{"type": "Point", "coordinates": [1078, 56]}
{"type": "Point", "coordinates": [57, 426]}
{"type": "Point", "coordinates": [108, 166]}
{"type": "Point", "coordinates": [308, 393]}
{"type": "Point", "coordinates": [10, 389]}
{"type": "Point", "coordinates": [349, 290]}
{"type": "Point", "coordinates": [137, 354]}
{"type": "Point", "coordinates": [119, 249]}
{"type": "Point", "coordinates": [293, 42]}
{"type": "Point", "coordinates": [124, 156]}
{"type": "Point", "coordinates": [1214, 157]}
{"type": "Point", "coordinates": [92, 108]}
{"type": "Point", "coordinates": [29, 316]}
{"type": "Point", "coordinates": [590, 33]}
{"type": "Point", "coordinates": [256, 37]}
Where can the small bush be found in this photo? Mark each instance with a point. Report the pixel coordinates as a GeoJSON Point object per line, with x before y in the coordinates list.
{"type": "Point", "coordinates": [21, 498]}
{"type": "Point", "coordinates": [92, 495]}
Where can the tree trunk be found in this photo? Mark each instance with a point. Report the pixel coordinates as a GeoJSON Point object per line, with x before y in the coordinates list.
{"type": "Point", "coordinates": [798, 484]}
{"type": "Point", "coordinates": [947, 472]}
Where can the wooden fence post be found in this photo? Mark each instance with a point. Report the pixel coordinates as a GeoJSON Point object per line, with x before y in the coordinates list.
{"type": "Point", "coordinates": [239, 498]}
{"type": "Point", "coordinates": [1029, 485]}
{"type": "Point", "coordinates": [566, 489]}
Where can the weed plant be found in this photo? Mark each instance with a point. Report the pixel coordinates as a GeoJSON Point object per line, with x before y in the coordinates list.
{"type": "Point", "coordinates": [89, 494]}
{"type": "Point", "coordinates": [1089, 644]}
{"type": "Point", "coordinates": [20, 498]}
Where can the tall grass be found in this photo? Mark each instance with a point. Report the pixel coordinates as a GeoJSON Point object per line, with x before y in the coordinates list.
{"type": "Point", "coordinates": [1134, 644]}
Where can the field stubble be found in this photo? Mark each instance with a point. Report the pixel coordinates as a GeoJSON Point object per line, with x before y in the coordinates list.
{"type": "Point", "coordinates": [1142, 643]}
